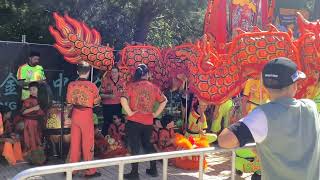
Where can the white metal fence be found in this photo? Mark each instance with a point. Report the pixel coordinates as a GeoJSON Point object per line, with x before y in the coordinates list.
{"type": "Point", "coordinates": [121, 161]}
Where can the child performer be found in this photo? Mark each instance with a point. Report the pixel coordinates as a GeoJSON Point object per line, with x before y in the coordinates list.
{"type": "Point", "coordinates": [10, 145]}
{"type": "Point", "coordinates": [197, 123]}
{"type": "Point", "coordinates": [166, 134]}
{"type": "Point", "coordinates": [32, 114]}
{"type": "Point", "coordinates": [154, 136]}
{"type": "Point", "coordinates": [117, 129]}
{"type": "Point", "coordinates": [100, 143]}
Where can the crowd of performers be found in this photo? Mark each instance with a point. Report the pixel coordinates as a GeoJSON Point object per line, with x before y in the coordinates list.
{"type": "Point", "coordinates": [132, 113]}
{"type": "Point", "coordinates": [135, 118]}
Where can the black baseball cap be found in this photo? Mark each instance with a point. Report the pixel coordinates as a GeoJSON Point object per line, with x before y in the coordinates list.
{"type": "Point", "coordinates": [34, 53]}
{"type": "Point", "coordinates": [280, 72]}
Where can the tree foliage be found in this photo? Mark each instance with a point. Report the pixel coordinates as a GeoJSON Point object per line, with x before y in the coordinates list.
{"type": "Point", "coordinates": [159, 22]}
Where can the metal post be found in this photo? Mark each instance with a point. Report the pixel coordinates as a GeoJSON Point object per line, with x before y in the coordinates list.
{"type": "Point", "coordinates": [121, 170]}
{"type": "Point", "coordinates": [201, 161]}
{"type": "Point", "coordinates": [233, 170]}
{"type": "Point", "coordinates": [69, 175]}
{"type": "Point", "coordinates": [62, 119]}
{"type": "Point", "coordinates": [165, 169]}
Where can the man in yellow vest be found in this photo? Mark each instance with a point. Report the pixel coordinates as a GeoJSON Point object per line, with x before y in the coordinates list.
{"type": "Point", "coordinates": [30, 72]}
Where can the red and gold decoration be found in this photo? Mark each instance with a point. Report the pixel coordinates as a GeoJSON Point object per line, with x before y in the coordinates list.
{"type": "Point", "coordinates": [77, 42]}
{"type": "Point", "coordinates": [213, 75]}
{"type": "Point", "coordinates": [112, 148]}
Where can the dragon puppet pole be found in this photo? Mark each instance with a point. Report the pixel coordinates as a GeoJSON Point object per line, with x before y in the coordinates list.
{"type": "Point", "coordinates": [91, 79]}
{"type": "Point", "coordinates": [186, 109]}
{"type": "Point", "coordinates": [260, 89]}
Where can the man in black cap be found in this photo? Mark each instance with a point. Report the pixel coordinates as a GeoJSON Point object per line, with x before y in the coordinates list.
{"type": "Point", "coordinates": [286, 130]}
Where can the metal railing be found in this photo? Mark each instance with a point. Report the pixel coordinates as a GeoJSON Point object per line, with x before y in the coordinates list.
{"type": "Point", "coordinates": [121, 161]}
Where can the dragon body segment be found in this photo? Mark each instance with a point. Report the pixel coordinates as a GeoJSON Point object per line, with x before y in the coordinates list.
{"type": "Point", "coordinates": [132, 56]}
{"type": "Point", "coordinates": [212, 76]}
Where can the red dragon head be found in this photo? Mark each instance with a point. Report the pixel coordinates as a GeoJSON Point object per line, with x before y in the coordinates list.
{"type": "Point", "coordinates": [217, 78]}
{"type": "Point", "coordinates": [77, 42]}
{"type": "Point", "coordinates": [204, 69]}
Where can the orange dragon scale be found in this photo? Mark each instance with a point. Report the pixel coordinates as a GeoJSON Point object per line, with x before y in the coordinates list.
{"type": "Point", "coordinates": [212, 75]}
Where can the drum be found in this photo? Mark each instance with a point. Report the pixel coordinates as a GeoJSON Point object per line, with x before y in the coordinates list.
{"type": "Point", "coordinates": [54, 117]}
{"type": "Point", "coordinates": [53, 124]}
{"type": "Point", "coordinates": [56, 138]}
{"type": "Point", "coordinates": [45, 96]}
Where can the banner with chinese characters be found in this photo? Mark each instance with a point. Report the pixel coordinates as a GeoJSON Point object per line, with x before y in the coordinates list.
{"type": "Point", "coordinates": [58, 72]}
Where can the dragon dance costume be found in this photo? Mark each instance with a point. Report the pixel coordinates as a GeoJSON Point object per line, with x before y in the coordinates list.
{"type": "Point", "coordinates": [222, 112]}
{"type": "Point", "coordinates": [163, 137]}
{"type": "Point", "coordinates": [195, 125]}
{"type": "Point", "coordinates": [111, 106]}
{"type": "Point", "coordinates": [33, 131]}
{"type": "Point", "coordinates": [190, 162]}
{"type": "Point", "coordinates": [212, 76]}
{"type": "Point", "coordinates": [83, 95]}
{"type": "Point", "coordinates": [11, 151]}
{"type": "Point", "coordinates": [117, 132]}
{"type": "Point", "coordinates": [32, 121]}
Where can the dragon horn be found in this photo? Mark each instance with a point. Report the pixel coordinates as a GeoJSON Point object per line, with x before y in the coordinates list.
{"type": "Point", "coordinates": [256, 29]}
{"type": "Point", "coordinates": [272, 28]}
{"type": "Point", "coordinates": [88, 36]}
{"type": "Point", "coordinates": [302, 22]}
{"type": "Point", "coordinates": [76, 26]}
{"type": "Point", "coordinates": [59, 39]}
{"type": "Point", "coordinates": [290, 32]}
{"type": "Point", "coordinates": [62, 25]}
{"type": "Point", "coordinates": [97, 36]}
{"type": "Point", "coordinates": [240, 31]}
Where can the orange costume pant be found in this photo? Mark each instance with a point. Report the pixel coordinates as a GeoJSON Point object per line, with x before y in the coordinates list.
{"type": "Point", "coordinates": [12, 152]}
{"type": "Point", "coordinates": [31, 134]}
{"type": "Point", "coordinates": [82, 135]}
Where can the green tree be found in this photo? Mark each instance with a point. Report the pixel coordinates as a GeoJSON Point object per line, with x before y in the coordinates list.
{"type": "Point", "coordinates": [175, 25]}
{"type": "Point", "coordinates": [160, 22]}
